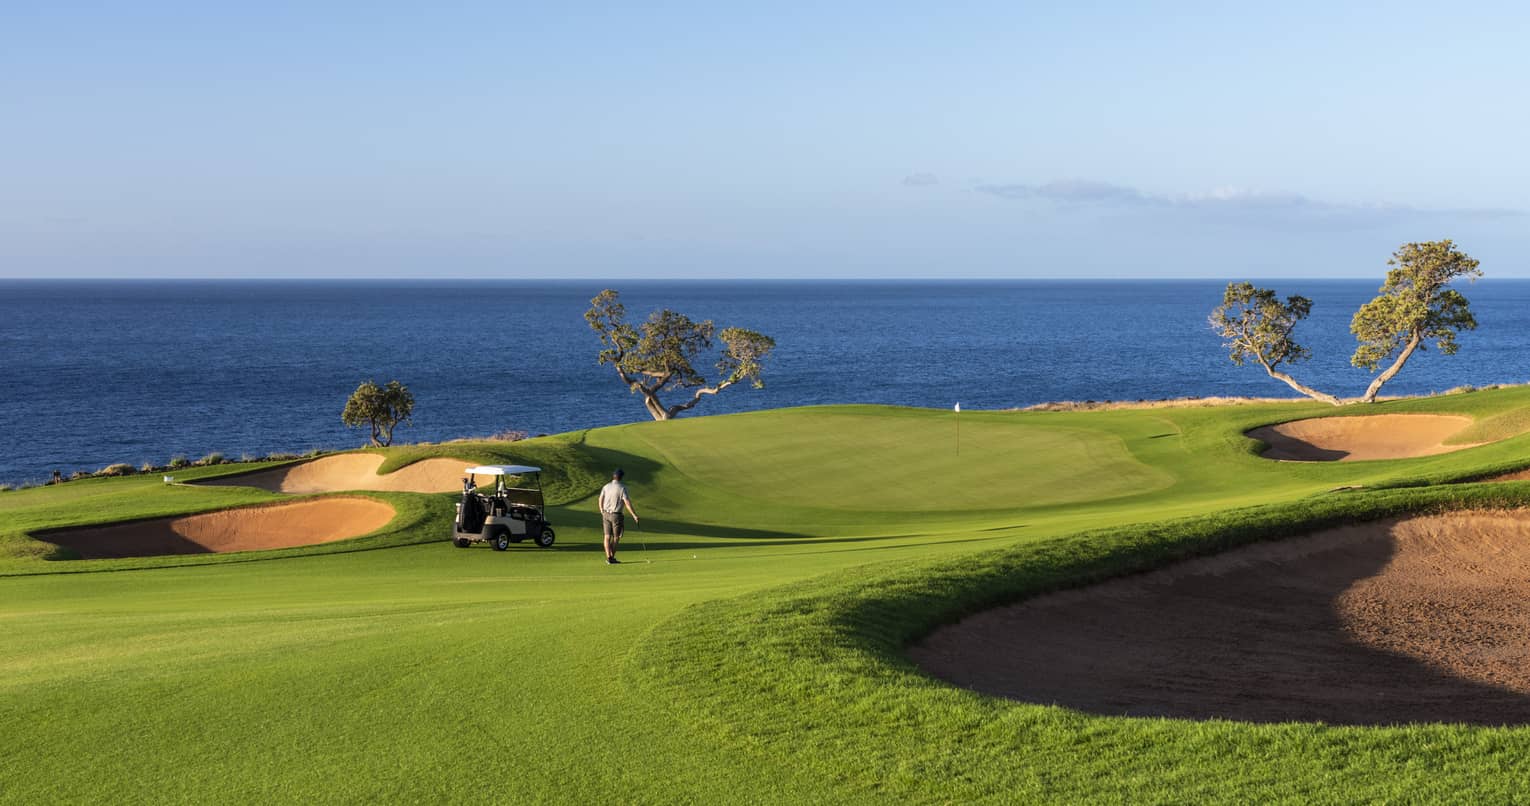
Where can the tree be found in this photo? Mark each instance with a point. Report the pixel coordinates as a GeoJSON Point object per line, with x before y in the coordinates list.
{"type": "Point", "coordinates": [1415, 305]}
{"type": "Point", "coordinates": [1257, 325]}
{"type": "Point", "coordinates": [381, 408]}
{"type": "Point", "coordinates": [656, 357]}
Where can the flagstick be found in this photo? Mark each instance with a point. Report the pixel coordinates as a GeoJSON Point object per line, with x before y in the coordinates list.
{"type": "Point", "coordinates": [958, 429]}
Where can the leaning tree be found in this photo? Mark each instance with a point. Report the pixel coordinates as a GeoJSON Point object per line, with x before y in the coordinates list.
{"type": "Point", "coordinates": [655, 357]}
{"type": "Point", "coordinates": [380, 408]}
{"type": "Point", "coordinates": [1415, 304]}
{"type": "Point", "coordinates": [1257, 325]}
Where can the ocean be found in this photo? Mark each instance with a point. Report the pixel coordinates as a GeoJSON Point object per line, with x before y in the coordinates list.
{"type": "Point", "coordinates": [97, 372]}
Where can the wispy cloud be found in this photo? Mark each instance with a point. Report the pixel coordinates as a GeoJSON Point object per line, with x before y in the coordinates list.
{"type": "Point", "coordinates": [1072, 191]}
{"type": "Point", "coordinates": [1227, 201]}
{"type": "Point", "coordinates": [922, 179]}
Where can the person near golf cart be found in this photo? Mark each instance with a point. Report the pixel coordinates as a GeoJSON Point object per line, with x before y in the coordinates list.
{"type": "Point", "coordinates": [613, 497]}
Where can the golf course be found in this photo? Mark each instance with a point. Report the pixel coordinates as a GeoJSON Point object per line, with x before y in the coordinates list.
{"type": "Point", "coordinates": [837, 604]}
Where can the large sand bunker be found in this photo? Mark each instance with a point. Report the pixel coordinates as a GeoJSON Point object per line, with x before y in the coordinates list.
{"type": "Point", "coordinates": [1418, 620]}
{"type": "Point", "coordinates": [1354, 439]}
{"type": "Point", "coordinates": [300, 523]}
{"type": "Point", "coordinates": [352, 471]}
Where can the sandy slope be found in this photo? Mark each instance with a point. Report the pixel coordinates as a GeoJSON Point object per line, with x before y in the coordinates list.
{"type": "Point", "coordinates": [352, 471]}
{"type": "Point", "coordinates": [1423, 619]}
{"type": "Point", "coordinates": [1353, 439]}
{"type": "Point", "coordinates": [245, 529]}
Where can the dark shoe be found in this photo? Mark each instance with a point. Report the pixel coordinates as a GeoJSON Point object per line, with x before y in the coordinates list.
{"type": "Point", "coordinates": [613, 561]}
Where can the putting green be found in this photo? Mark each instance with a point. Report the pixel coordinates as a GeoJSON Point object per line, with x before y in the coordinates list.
{"type": "Point", "coordinates": [748, 653]}
{"type": "Point", "coordinates": [879, 459]}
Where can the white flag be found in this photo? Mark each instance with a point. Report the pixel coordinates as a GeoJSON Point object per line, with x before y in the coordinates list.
{"type": "Point", "coordinates": [958, 408]}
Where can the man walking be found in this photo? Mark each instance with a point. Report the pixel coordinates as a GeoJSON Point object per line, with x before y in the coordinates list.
{"type": "Point", "coordinates": [613, 497]}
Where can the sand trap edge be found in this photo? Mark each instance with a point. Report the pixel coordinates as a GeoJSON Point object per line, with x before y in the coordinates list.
{"type": "Point", "coordinates": [1311, 439]}
{"type": "Point", "coordinates": [217, 531]}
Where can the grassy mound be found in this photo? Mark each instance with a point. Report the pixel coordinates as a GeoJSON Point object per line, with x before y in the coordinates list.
{"type": "Point", "coordinates": [821, 664]}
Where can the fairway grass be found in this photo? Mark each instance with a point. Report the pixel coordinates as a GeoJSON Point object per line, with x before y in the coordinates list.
{"type": "Point", "coordinates": [751, 652]}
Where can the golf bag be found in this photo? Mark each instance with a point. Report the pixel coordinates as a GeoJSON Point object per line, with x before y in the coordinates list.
{"type": "Point", "coordinates": [471, 514]}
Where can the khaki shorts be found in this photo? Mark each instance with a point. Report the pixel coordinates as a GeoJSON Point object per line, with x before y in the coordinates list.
{"type": "Point", "coordinates": [611, 524]}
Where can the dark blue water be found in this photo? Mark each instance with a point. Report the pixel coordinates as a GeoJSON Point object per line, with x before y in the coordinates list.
{"type": "Point", "coordinates": [96, 372]}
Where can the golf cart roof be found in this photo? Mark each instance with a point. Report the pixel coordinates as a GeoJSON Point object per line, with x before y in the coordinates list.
{"type": "Point", "coordinates": [501, 470]}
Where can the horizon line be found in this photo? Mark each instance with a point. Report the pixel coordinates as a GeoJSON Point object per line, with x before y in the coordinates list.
{"type": "Point", "coordinates": [708, 279]}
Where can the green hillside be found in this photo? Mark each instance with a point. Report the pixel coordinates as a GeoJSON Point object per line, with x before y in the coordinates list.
{"type": "Point", "coordinates": [746, 651]}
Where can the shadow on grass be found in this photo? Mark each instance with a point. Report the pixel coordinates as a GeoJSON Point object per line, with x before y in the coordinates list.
{"type": "Point", "coordinates": [658, 527]}
{"type": "Point", "coordinates": [1261, 640]}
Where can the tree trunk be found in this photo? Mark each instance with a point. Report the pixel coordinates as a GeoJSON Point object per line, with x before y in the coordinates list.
{"type": "Point", "coordinates": [655, 408]}
{"type": "Point", "coordinates": [1370, 392]}
{"type": "Point", "coordinates": [1301, 387]}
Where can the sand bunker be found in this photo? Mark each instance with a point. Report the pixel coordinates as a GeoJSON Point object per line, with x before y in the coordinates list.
{"type": "Point", "coordinates": [245, 529]}
{"type": "Point", "coordinates": [352, 471]}
{"type": "Point", "coordinates": [1354, 439]}
{"type": "Point", "coordinates": [1419, 620]}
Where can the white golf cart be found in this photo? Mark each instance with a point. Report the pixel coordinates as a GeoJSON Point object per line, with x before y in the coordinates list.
{"type": "Point", "coordinates": [513, 512]}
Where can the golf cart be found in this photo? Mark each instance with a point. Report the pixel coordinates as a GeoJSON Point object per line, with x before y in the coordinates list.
{"type": "Point", "coordinates": [509, 514]}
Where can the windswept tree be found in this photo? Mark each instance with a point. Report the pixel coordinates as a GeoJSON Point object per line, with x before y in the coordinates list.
{"type": "Point", "coordinates": [381, 408]}
{"type": "Point", "coordinates": [1257, 325]}
{"type": "Point", "coordinates": [656, 357]}
{"type": "Point", "coordinates": [1415, 305]}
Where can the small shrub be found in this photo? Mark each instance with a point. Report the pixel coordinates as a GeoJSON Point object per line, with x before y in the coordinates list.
{"type": "Point", "coordinates": [80, 474]}
{"type": "Point", "coordinates": [510, 435]}
{"type": "Point", "coordinates": [1461, 389]}
{"type": "Point", "coordinates": [213, 458]}
{"type": "Point", "coordinates": [119, 469]}
{"type": "Point", "coordinates": [147, 467]}
{"type": "Point", "coordinates": [281, 457]}
{"type": "Point", "coordinates": [5, 488]}
{"type": "Point", "coordinates": [316, 452]}
{"type": "Point", "coordinates": [178, 462]}
{"type": "Point", "coordinates": [246, 458]}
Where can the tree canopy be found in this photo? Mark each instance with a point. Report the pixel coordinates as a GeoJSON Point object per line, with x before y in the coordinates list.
{"type": "Point", "coordinates": [1415, 305]}
{"type": "Point", "coordinates": [381, 408]}
{"type": "Point", "coordinates": [658, 355]}
{"type": "Point", "coordinates": [1257, 325]}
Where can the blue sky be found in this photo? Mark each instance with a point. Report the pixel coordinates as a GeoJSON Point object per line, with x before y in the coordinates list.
{"type": "Point", "coordinates": [963, 139]}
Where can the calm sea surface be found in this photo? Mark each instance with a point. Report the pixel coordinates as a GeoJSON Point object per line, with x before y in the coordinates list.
{"type": "Point", "coordinates": [95, 372]}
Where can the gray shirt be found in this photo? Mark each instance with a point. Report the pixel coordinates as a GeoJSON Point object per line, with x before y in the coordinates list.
{"type": "Point", "coordinates": [612, 496]}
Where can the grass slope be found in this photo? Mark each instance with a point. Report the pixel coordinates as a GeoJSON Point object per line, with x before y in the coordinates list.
{"type": "Point", "coordinates": [755, 658]}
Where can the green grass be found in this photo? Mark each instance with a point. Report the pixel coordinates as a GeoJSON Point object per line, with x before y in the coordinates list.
{"type": "Point", "coordinates": [756, 658]}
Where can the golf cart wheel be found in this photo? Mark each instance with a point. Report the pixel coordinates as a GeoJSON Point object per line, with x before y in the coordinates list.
{"type": "Point", "coordinates": [461, 542]}
{"type": "Point", "coordinates": [502, 543]}
{"type": "Point", "coordinates": [546, 538]}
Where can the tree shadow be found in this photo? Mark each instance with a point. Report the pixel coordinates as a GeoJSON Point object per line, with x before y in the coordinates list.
{"type": "Point", "coordinates": [1257, 638]}
{"type": "Point", "coordinates": [1290, 449]}
{"type": "Point", "coordinates": [145, 538]}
